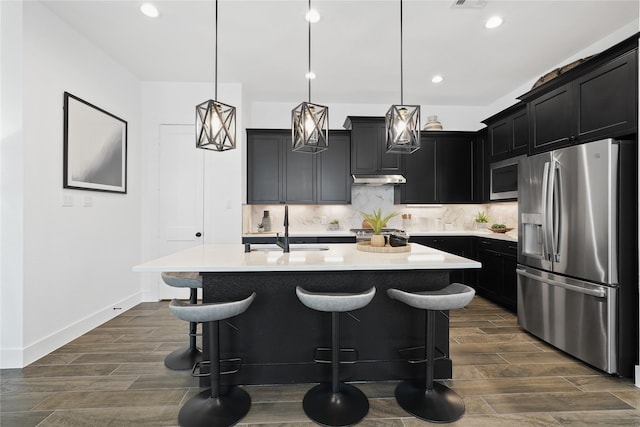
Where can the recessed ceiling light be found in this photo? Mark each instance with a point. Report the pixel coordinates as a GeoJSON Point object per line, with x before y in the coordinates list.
{"type": "Point", "coordinates": [312, 16]}
{"type": "Point", "coordinates": [149, 10]}
{"type": "Point", "coordinates": [493, 22]}
{"type": "Point", "coordinates": [310, 75]}
{"type": "Point", "coordinates": [437, 79]}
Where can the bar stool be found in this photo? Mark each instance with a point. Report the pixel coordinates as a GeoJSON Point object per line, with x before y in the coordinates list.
{"type": "Point", "coordinates": [432, 401]}
{"type": "Point", "coordinates": [335, 403]}
{"type": "Point", "coordinates": [184, 358]}
{"type": "Point", "coordinates": [210, 407]}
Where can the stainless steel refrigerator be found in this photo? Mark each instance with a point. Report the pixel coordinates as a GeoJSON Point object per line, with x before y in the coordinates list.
{"type": "Point", "coordinates": [577, 252]}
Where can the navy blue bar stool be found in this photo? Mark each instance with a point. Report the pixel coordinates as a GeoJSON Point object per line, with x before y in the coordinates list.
{"type": "Point", "coordinates": [210, 407]}
{"type": "Point", "coordinates": [184, 358]}
{"type": "Point", "coordinates": [432, 401]}
{"type": "Point", "coordinates": [335, 403]}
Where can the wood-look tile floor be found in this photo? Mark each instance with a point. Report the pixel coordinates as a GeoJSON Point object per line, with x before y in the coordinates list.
{"type": "Point", "coordinates": [115, 376]}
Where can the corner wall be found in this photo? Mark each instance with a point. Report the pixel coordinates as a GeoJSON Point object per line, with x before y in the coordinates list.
{"type": "Point", "coordinates": [11, 184]}
{"type": "Point", "coordinates": [76, 260]}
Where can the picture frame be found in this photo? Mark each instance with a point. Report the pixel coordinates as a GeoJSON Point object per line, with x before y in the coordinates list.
{"type": "Point", "coordinates": [95, 147]}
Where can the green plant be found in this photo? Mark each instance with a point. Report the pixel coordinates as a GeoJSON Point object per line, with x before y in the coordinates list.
{"type": "Point", "coordinates": [261, 225]}
{"type": "Point", "coordinates": [376, 220]}
{"type": "Point", "coordinates": [481, 217]}
{"type": "Point", "coordinates": [335, 221]}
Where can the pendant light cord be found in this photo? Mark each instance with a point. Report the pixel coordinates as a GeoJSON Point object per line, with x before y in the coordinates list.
{"type": "Point", "coordinates": [309, 49]}
{"type": "Point", "coordinates": [401, 61]}
{"type": "Point", "coordinates": [215, 65]}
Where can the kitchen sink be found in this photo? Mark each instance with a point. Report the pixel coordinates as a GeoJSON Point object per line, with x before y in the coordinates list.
{"type": "Point", "coordinates": [292, 247]}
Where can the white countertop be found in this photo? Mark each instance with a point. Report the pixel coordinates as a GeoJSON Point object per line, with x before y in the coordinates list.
{"type": "Point", "coordinates": [510, 236]}
{"type": "Point", "coordinates": [339, 257]}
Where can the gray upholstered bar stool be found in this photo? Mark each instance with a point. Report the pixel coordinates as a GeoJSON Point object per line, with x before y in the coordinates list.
{"type": "Point", "coordinates": [432, 401]}
{"type": "Point", "coordinates": [184, 358]}
{"type": "Point", "coordinates": [210, 407]}
{"type": "Point", "coordinates": [335, 403]}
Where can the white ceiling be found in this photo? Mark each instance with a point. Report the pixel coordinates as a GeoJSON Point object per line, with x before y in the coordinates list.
{"type": "Point", "coordinates": [355, 46]}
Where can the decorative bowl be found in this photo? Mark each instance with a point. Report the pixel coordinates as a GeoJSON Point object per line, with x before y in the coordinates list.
{"type": "Point", "coordinates": [500, 230]}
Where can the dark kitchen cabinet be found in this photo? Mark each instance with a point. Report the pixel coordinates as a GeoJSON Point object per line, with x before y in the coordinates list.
{"type": "Point", "coordinates": [596, 99]}
{"type": "Point", "coordinates": [420, 172]}
{"type": "Point", "coordinates": [508, 133]}
{"type": "Point", "coordinates": [369, 147]}
{"type": "Point", "coordinates": [606, 99]}
{"type": "Point", "coordinates": [299, 183]}
{"type": "Point", "coordinates": [275, 174]}
{"type": "Point", "coordinates": [265, 167]}
{"type": "Point", "coordinates": [443, 170]}
{"type": "Point", "coordinates": [497, 278]}
{"type": "Point", "coordinates": [457, 245]}
{"type": "Point", "coordinates": [551, 119]}
{"type": "Point", "coordinates": [333, 174]}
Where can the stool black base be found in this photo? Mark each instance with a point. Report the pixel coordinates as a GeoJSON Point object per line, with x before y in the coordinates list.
{"type": "Point", "coordinates": [438, 405]}
{"type": "Point", "coordinates": [203, 410]}
{"type": "Point", "coordinates": [183, 358]}
{"type": "Point", "coordinates": [346, 407]}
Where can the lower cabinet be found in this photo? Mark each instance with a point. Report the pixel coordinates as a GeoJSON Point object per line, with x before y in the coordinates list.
{"type": "Point", "coordinates": [457, 245]}
{"type": "Point", "coordinates": [497, 278]}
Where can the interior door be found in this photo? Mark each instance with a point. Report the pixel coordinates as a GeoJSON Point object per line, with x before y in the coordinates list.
{"type": "Point", "coordinates": [180, 196]}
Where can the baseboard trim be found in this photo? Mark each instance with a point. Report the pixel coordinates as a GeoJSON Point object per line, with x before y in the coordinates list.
{"type": "Point", "coordinates": [46, 345]}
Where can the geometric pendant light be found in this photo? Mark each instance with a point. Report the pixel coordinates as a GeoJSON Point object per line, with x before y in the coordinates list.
{"type": "Point", "coordinates": [215, 121]}
{"type": "Point", "coordinates": [310, 122]}
{"type": "Point", "coordinates": [402, 122]}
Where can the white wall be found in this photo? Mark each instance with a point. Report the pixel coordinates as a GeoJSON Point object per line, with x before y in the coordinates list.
{"type": "Point", "coordinates": [510, 98]}
{"type": "Point", "coordinates": [174, 103]}
{"type": "Point", "coordinates": [11, 184]}
{"type": "Point", "coordinates": [77, 260]}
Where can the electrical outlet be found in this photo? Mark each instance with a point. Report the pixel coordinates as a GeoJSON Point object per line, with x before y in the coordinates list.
{"type": "Point", "coordinates": [67, 200]}
{"type": "Point", "coordinates": [323, 220]}
{"type": "Point", "coordinates": [88, 201]}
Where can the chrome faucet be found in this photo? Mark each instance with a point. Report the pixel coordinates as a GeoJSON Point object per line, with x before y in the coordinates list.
{"type": "Point", "coordinates": [284, 244]}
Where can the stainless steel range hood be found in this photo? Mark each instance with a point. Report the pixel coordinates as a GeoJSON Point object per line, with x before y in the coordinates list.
{"type": "Point", "coordinates": [378, 179]}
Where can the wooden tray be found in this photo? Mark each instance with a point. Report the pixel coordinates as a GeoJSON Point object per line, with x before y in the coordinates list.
{"type": "Point", "coordinates": [366, 247]}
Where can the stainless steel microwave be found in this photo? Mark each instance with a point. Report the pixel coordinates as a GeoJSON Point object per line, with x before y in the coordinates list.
{"type": "Point", "coordinates": [503, 179]}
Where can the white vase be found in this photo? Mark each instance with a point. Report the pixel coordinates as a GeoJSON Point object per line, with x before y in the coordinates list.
{"type": "Point", "coordinates": [377, 240]}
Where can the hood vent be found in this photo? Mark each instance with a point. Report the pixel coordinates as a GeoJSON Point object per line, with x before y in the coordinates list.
{"type": "Point", "coordinates": [378, 180]}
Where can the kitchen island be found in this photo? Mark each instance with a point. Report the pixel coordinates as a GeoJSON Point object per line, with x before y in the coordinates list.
{"type": "Point", "coordinates": [277, 336]}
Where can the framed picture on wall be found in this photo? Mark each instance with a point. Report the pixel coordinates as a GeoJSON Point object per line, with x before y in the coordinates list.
{"type": "Point", "coordinates": [95, 147]}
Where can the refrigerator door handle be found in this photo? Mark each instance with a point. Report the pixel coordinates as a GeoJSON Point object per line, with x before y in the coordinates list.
{"type": "Point", "coordinates": [598, 293]}
{"type": "Point", "coordinates": [547, 218]}
{"type": "Point", "coordinates": [556, 200]}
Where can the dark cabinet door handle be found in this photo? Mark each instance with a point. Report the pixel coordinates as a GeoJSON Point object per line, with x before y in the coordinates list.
{"type": "Point", "coordinates": [198, 234]}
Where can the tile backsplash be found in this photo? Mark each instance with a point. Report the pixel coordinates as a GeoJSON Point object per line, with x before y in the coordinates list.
{"type": "Point", "coordinates": [363, 198]}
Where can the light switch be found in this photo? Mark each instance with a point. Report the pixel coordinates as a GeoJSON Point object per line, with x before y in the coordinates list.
{"type": "Point", "coordinates": [67, 200]}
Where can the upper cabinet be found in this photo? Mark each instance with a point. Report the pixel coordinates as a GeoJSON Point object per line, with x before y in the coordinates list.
{"type": "Point", "coordinates": [443, 170]}
{"type": "Point", "coordinates": [275, 174]}
{"type": "Point", "coordinates": [369, 147]}
{"type": "Point", "coordinates": [508, 133]}
{"type": "Point", "coordinates": [597, 99]}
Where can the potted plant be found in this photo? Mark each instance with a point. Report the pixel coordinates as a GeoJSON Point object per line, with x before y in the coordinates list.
{"type": "Point", "coordinates": [481, 220]}
{"type": "Point", "coordinates": [376, 221]}
{"type": "Point", "coordinates": [334, 225]}
{"type": "Point", "coordinates": [260, 228]}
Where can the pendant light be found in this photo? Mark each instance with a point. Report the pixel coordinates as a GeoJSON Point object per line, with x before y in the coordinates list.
{"type": "Point", "coordinates": [215, 121]}
{"type": "Point", "coordinates": [402, 121]}
{"type": "Point", "coordinates": [309, 122]}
